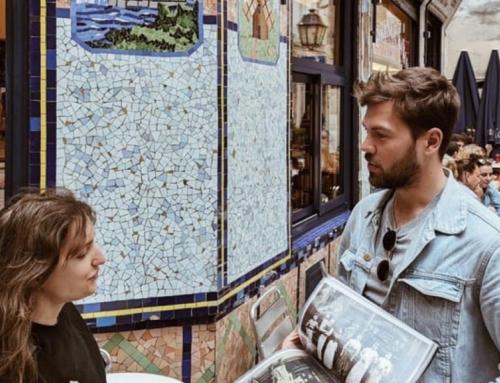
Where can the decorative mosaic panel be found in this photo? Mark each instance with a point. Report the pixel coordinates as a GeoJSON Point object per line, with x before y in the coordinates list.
{"type": "Point", "coordinates": [259, 30]}
{"type": "Point", "coordinates": [145, 27]}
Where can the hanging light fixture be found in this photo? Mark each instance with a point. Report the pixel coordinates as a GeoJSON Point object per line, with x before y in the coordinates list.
{"type": "Point", "coordinates": [311, 30]}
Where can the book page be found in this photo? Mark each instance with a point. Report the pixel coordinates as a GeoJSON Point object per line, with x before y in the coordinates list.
{"type": "Point", "coordinates": [289, 366]}
{"type": "Point", "coordinates": [357, 341]}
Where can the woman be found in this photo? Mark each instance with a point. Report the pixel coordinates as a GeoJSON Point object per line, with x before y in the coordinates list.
{"type": "Point", "coordinates": [468, 175]}
{"type": "Point", "coordinates": [48, 258]}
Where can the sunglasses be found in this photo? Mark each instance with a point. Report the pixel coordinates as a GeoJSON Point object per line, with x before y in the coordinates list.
{"type": "Point", "coordinates": [389, 243]}
{"type": "Point", "coordinates": [484, 161]}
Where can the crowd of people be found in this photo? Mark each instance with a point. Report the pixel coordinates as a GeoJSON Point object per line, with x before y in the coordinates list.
{"type": "Point", "coordinates": [474, 169]}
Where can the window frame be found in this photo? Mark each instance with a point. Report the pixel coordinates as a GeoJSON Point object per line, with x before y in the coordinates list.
{"type": "Point", "coordinates": [17, 86]}
{"type": "Point", "coordinates": [340, 75]}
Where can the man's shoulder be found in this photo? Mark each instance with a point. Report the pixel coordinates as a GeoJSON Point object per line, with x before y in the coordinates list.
{"type": "Point", "coordinates": [374, 199]}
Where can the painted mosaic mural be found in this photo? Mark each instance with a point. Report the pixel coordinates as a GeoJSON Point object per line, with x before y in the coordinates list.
{"type": "Point", "coordinates": [259, 30]}
{"type": "Point", "coordinates": [137, 27]}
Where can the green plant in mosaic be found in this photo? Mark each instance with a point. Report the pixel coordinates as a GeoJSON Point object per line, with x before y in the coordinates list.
{"type": "Point", "coordinates": [174, 30]}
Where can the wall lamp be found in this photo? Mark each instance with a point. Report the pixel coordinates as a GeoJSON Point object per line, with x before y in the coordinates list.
{"type": "Point", "coordinates": [311, 30]}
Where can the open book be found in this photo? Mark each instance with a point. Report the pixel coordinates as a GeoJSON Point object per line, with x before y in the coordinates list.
{"type": "Point", "coordinates": [347, 339]}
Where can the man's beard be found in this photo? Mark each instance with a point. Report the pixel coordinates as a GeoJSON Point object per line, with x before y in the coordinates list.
{"type": "Point", "coordinates": [402, 174]}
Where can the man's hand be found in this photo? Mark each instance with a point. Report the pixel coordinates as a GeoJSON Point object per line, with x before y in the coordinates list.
{"type": "Point", "coordinates": [292, 340]}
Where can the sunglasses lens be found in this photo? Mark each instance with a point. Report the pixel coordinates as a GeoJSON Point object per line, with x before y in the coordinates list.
{"type": "Point", "coordinates": [383, 270]}
{"type": "Point", "coordinates": [389, 240]}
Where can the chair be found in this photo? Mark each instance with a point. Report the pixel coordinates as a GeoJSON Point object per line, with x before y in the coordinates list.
{"type": "Point", "coordinates": [107, 360]}
{"type": "Point", "coordinates": [272, 324]}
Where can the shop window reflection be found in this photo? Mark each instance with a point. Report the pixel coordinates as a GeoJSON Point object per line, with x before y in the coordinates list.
{"type": "Point", "coordinates": [312, 160]}
{"type": "Point", "coordinates": [301, 150]}
{"type": "Point", "coordinates": [391, 51]}
{"type": "Point", "coordinates": [329, 12]}
{"type": "Point", "coordinates": [330, 147]}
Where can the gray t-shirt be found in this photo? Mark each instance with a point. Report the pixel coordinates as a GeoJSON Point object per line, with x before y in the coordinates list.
{"type": "Point", "coordinates": [376, 290]}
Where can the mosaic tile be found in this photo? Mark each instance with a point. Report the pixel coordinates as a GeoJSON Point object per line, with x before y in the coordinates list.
{"type": "Point", "coordinates": [118, 132]}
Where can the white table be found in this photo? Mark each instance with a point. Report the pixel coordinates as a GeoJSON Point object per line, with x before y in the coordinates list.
{"type": "Point", "coordinates": [138, 377]}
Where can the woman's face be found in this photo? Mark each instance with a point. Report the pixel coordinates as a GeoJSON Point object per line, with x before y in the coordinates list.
{"type": "Point", "coordinates": [472, 179]}
{"type": "Point", "coordinates": [75, 278]}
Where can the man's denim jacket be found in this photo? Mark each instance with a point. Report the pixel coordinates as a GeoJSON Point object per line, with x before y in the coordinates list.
{"type": "Point", "coordinates": [447, 286]}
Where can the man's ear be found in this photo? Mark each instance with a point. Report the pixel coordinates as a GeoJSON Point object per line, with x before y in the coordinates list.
{"type": "Point", "coordinates": [433, 137]}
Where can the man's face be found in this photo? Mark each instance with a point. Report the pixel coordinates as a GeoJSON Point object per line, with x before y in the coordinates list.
{"type": "Point", "coordinates": [485, 175]}
{"type": "Point", "coordinates": [389, 149]}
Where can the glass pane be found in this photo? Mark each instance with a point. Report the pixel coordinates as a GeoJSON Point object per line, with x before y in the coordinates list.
{"type": "Point", "coordinates": [392, 47]}
{"type": "Point", "coordinates": [301, 148]}
{"type": "Point", "coordinates": [331, 185]}
{"type": "Point", "coordinates": [327, 50]}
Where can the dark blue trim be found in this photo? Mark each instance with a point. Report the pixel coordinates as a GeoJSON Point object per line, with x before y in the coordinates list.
{"type": "Point", "coordinates": [302, 249]}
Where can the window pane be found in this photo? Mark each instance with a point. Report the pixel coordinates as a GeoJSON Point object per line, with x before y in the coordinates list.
{"type": "Point", "coordinates": [301, 146]}
{"type": "Point", "coordinates": [331, 185]}
{"type": "Point", "coordinates": [392, 46]}
{"type": "Point", "coordinates": [328, 49]}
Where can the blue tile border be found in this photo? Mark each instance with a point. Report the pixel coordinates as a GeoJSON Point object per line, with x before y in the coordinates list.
{"type": "Point", "coordinates": [303, 248]}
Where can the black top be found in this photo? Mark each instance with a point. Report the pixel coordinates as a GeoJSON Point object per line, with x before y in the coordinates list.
{"type": "Point", "coordinates": [67, 352]}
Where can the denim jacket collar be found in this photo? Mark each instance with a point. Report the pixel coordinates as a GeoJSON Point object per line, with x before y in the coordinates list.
{"type": "Point", "coordinates": [449, 216]}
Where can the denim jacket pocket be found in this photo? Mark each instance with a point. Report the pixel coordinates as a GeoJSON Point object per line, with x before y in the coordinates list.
{"type": "Point", "coordinates": [432, 306]}
{"type": "Point", "coordinates": [356, 268]}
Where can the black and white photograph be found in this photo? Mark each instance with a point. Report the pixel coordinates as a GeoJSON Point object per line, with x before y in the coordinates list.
{"type": "Point", "coordinates": [347, 339]}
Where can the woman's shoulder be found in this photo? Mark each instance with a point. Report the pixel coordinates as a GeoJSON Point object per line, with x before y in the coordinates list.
{"type": "Point", "coordinates": [72, 316]}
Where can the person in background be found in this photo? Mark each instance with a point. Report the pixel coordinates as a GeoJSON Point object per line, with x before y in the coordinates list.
{"type": "Point", "coordinates": [420, 248]}
{"type": "Point", "coordinates": [469, 149]}
{"type": "Point", "coordinates": [48, 258]}
{"type": "Point", "coordinates": [329, 168]}
{"type": "Point", "coordinates": [460, 139]}
{"type": "Point", "coordinates": [468, 175]}
{"type": "Point", "coordinates": [451, 164]}
{"type": "Point", "coordinates": [491, 195]}
{"type": "Point", "coordinates": [452, 150]}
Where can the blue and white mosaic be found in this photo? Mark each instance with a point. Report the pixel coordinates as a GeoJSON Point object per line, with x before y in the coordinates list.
{"type": "Point", "coordinates": [137, 138]}
{"type": "Point", "coordinates": [257, 198]}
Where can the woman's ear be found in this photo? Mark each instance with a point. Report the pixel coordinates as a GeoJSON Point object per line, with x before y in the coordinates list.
{"type": "Point", "coordinates": [467, 177]}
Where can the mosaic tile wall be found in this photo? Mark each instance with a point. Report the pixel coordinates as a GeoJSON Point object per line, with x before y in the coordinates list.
{"type": "Point", "coordinates": [156, 144]}
{"type": "Point", "coordinates": [257, 206]}
{"type": "Point", "coordinates": [220, 352]}
{"type": "Point", "coordinates": [137, 137]}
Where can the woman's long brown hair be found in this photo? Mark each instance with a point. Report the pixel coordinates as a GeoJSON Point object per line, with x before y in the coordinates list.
{"type": "Point", "coordinates": [33, 229]}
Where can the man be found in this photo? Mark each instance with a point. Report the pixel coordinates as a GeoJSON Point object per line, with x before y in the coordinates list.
{"type": "Point", "coordinates": [422, 249]}
{"type": "Point", "coordinates": [491, 195]}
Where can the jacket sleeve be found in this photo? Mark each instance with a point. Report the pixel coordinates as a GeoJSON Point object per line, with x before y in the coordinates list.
{"type": "Point", "coordinates": [489, 294]}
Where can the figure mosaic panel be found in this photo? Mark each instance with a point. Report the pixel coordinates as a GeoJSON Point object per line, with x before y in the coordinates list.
{"type": "Point", "coordinates": [259, 30]}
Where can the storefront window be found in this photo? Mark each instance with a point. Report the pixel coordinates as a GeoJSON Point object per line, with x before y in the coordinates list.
{"type": "Point", "coordinates": [320, 132]}
{"type": "Point", "coordinates": [393, 37]}
{"type": "Point", "coordinates": [305, 15]}
{"type": "Point", "coordinates": [302, 164]}
{"type": "Point", "coordinates": [316, 171]}
{"type": "Point", "coordinates": [330, 144]}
